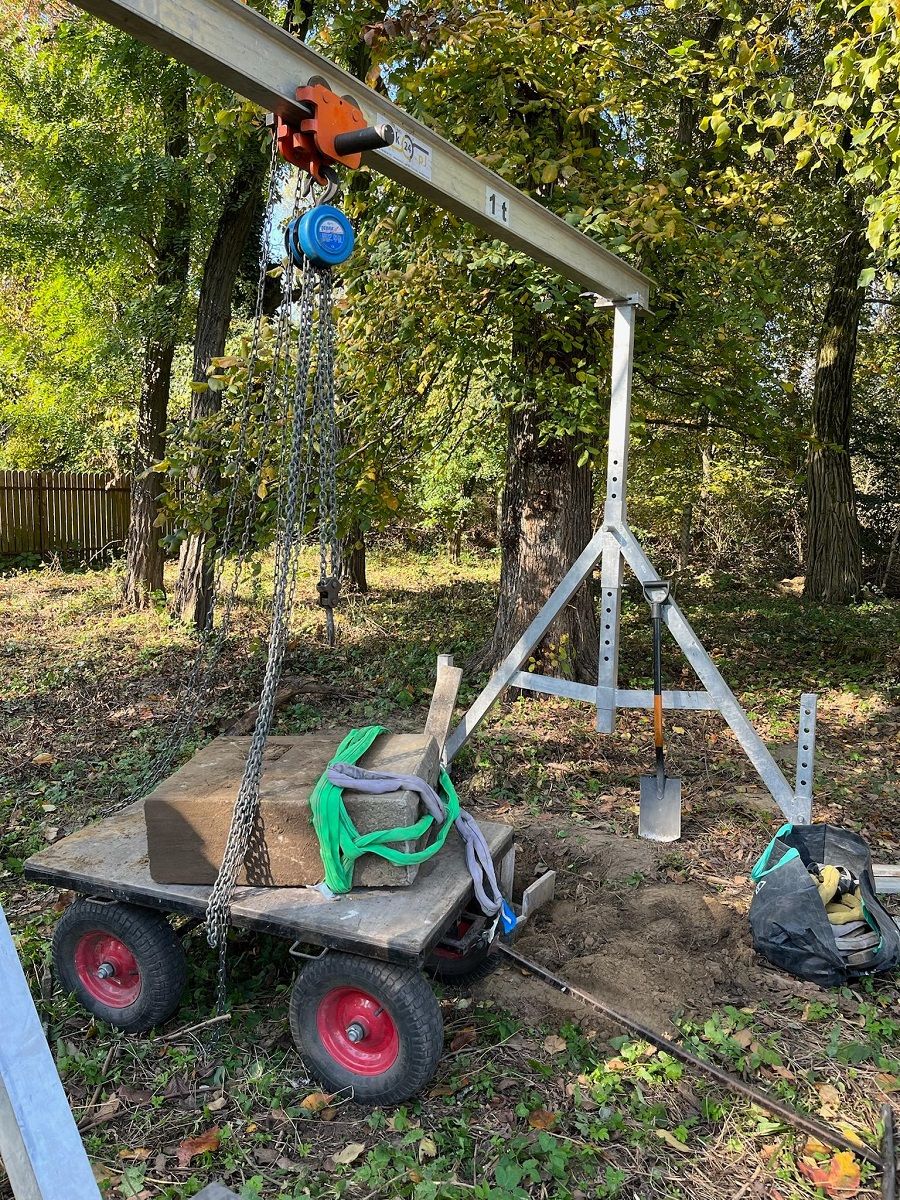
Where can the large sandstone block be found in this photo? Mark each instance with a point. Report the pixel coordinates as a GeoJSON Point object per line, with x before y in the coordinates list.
{"type": "Point", "coordinates": [188, 815]}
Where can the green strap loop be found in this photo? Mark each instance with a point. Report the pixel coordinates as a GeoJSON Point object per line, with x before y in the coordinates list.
{"type": "Point", "coordinates": [341, 843]}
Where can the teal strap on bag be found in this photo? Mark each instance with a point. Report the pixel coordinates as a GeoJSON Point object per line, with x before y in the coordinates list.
{"type": "Point", "coordinates": [762, 867]}
{"type": "Point", "coordinates": [341, 843]}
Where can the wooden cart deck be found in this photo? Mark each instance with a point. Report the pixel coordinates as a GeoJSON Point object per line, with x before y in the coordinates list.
{"type": "Point", "coordinates": [109, 859]}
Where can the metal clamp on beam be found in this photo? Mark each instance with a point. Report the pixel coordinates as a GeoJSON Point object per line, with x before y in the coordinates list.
{"type": "Point", "coordinates": [335, 133]}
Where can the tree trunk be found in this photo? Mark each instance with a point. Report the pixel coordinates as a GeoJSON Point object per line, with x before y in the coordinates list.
{"type": "Point", "coordinates": [193, 594]}
{"type": "Point", "coordinates": [834, 566]}
{"type": "Point", "coordinates": [144, 574]}
{"type": "Point", "coordinates": [545, 524]}
{"type": "Point", "coordinates": [685, 536]}
{"type": "Point", "coordinates": [455, 546]}
{"type": "Point", "coordinates": [353, 560]}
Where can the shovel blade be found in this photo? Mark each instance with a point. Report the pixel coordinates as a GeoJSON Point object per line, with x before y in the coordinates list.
{"type": "Point", "coordinates": [660, 815]}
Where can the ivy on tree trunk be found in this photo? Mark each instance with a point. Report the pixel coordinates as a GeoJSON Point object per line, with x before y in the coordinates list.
{"type": "Point", "coordinates": [243, 203]}
{"type": "Point", "coordinates": [834, 567]}
{"type": "Point", "coordinates": [144, 556]}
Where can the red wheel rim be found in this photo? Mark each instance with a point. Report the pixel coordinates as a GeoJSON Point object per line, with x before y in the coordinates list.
{"type": "Point", "coordinates": [462, 928]}
{"type": "Point", "coordinates": [357, 1031]}
{"type": "Point", "coordinates": [107, 970]}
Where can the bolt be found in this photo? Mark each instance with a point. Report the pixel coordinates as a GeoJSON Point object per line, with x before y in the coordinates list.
{"type": "Point", "coordinates": [355, 1032]}
{"type": "Point", "coordinates": [105, 970]}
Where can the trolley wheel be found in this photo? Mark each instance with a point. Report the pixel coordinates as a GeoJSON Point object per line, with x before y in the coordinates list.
{"type": "Point", "coordinates": [455, 966]}
{"type": "Point", "coordinates": [371, 1026]}
{"type": "Point", "coordinates": [124, 963]}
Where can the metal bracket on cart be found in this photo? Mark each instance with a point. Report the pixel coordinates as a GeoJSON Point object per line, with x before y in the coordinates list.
{"type": "Point", "coordinates": [534, 897]}
{"type": "Point", "coordinates": [295, 951]}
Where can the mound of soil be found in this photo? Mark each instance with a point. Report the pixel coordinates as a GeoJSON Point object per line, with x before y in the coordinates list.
{"type": "Point", "coordinates": [652, 947]}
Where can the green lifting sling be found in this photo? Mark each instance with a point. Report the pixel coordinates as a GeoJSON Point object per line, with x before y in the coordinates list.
{"type": "Point", "coordinates": [341, 843]}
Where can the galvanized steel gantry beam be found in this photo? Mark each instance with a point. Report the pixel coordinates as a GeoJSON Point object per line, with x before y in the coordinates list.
{"type": "Point", "coordinates": [238, 47]}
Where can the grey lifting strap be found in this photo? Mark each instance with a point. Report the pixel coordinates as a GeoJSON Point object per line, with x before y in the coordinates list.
{"type": "Point", "coordinates": [478, 853]}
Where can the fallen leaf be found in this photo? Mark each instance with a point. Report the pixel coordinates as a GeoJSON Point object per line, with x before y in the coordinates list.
{"type": "Point", "coordinates": [427, 1149]}
{"type": "Point", "coordinates": [814, 1146]}
{"type": "Point", "coordinates": [105, 1112]}
{"type": "Point", "coordinates": [555, 1044]}
{"type": "Point", "coordinates": [671, 1140]}
{"type": "Point", "coordinates": [743, 1037]}
{"type": "Point", "coordinates": [218, 1104]}
{"type": "Point", "coordinates": [43, 760]}
{"type": "Point", "coordinates": [829, 1099]}
{"type": "Point", "coordinates": [465, 1037]}
{"type": "Point", "coordinates": [191, 1147]}
{"type": "Point", "coordinates": [542, 1118]}
{"type": "Point", "coordinates": [288, 1164]}
{"type": "Point", "coordinates": [783, 1073]}
{"type": "Point", "coordinates": [139, 1155]}
{"type": "Point", "coordinates": [839, 1180]}
{"type": "Point", "coordinates": [616, 1064]}
{"type": "Point", "coordinates": [133, 1095]}
{"type": "Point", "coordinates": [887, 1083]}
{"type": "Point", "coordinates": [315, 1102]}
{"type": "Point", "coordinates": [349, 1154]}
{"type": "Point", "coordinates": [850, 1133]}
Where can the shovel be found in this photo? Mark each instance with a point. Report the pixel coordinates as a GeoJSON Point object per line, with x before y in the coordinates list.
{"type": "Point", "coordinates": [660, 811]}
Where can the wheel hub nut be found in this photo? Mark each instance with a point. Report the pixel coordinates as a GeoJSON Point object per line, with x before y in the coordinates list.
{"type": "Point", "coordinates": [105, 970]}
{"type": "Point", "coordinates": [355, 1032]}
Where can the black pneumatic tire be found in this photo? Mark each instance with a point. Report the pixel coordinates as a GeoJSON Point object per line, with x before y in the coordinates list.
{"type": "Point", "coordinates": [148, 972]}
{"type": "Point", "coordinates": [403, 1032]}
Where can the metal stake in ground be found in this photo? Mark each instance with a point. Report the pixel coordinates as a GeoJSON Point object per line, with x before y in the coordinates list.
{"type": "Point", "coordinates": [660, 811]}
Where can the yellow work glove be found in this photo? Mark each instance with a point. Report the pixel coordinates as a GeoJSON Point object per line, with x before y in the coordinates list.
{"type": "Point", "coordinates": [845, 910]}
{"type": "Point", "coordinates": [829, 878]}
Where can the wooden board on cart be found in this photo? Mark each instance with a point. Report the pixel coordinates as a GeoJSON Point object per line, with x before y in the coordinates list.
{"type": "Point", "coordinates": [109, 859]}
{"type": "Point", "coordinates": [188, 814]}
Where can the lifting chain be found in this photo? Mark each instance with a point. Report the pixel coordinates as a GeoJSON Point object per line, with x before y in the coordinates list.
{"type": "Point", "coordinates": [329, 547]}
{"type": "Point", "coordinates": [193, 694]}
{"type": "Point", "coordinates": [311, 431]}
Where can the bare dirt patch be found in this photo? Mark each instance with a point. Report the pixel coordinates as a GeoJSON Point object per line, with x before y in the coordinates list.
{"type": "Point", "coordinates": [653, 947]}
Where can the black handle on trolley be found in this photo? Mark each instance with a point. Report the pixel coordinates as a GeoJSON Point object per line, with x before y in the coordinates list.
{"type": "Point", "coordinates": [373, 137]}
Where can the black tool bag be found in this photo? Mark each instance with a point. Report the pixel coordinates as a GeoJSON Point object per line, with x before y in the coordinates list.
{"type": "Point", "coordinates": [787, 917]}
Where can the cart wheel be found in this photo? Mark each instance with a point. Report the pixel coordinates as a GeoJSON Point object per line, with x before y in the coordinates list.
{"type": "Point", "coordinates": [454, 966]}
{"type": "Point", "coordinates": [370, 1026]}
{"type": "Point", "coordinates": [124, 963]}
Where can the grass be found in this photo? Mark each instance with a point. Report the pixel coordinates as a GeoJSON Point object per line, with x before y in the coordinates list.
{"type": "Point", "coordinates": [542, 1106]}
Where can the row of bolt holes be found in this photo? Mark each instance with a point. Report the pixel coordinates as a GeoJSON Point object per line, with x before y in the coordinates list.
{"type": "Point", "coordinates": [607, 627]}
{"type": "Point", "coordinates": [807, 712]}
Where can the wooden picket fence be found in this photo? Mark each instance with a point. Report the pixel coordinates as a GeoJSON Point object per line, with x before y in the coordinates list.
{"type": "Point", "coordinates": [69, 513]}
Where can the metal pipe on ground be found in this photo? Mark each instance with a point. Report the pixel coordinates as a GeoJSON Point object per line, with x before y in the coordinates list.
{"type": "Point", "coordinates": [809, 1125]}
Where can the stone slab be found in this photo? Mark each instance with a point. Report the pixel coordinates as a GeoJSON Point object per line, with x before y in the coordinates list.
{"type": "Point", "coordinates": [189, 814]}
